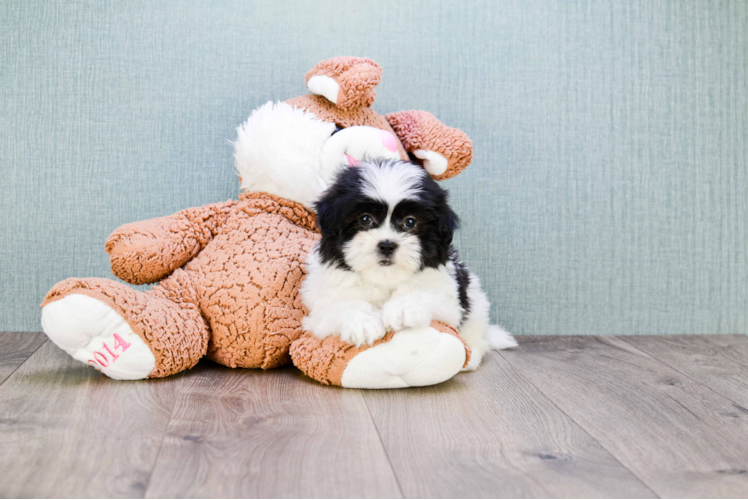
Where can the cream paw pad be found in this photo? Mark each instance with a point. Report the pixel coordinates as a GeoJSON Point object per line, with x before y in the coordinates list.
{"type": "Point", "coordinates": [414, 357]}
{"type": "Point", "coordinates": [93, 333]}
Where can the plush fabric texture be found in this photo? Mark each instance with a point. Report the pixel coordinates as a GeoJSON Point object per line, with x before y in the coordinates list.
{"type": "Point", "coordinates": [92, 332]}
{"type": "Point", "coordinates": [148, 251]}
{"type": "Point", "coordinates": [356, 77]}
{"type": "Point", "coordinates": [277, 150]}
{"type": "Point", "coordinates": [167, 318]}
{"type": "Point", "coordinates": [238, 299]}
{"type": "Point", "coordinates": [329, 112]}
{"type": "Point", "coordinates": [445, 328]}
{"type": "Point", "coordinates": [421, 130]}
{"type": "Point", "coordinates": [325, 360]}
{"type": "Point", "coordinates": [414, 130]}
{"type": "Point", "coordinates": [249, 278]}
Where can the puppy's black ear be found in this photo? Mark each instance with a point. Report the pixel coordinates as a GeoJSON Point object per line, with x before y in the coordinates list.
{"type": "Point", "coordinates": [436, 241]}
{"type": "Point", "coordinates": [447, 223]}
{"type": "Point", "coordinates": [331, 207]}
{"type": "Point", "coordinates": [328, 217]}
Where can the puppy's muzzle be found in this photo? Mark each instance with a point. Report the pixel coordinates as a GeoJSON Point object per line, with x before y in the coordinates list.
{"type": "Point", "coordinates": [386, 250]}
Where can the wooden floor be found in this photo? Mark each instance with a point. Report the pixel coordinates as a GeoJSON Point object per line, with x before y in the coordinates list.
{"type": "Point", "coordinates": [557, 417]}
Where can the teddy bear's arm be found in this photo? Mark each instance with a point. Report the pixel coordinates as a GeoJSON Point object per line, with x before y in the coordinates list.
{"type": "Point", "coordinates": [347, 82]}
{"type": "Point", "coordinates": [148, 251]}
{"type": "Point", "coordinates": [445, 151]}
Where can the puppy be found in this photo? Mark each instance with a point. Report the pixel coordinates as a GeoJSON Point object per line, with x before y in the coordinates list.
{"type": "Point", "coordinates": [385, 261]}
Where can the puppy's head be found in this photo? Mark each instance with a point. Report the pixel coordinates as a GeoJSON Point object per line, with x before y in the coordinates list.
{"type": "Point", "coordinates": [384, 219]}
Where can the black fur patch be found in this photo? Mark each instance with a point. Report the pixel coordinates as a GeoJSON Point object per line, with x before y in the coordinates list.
{"type": "Point", "coordinates": [438, 221]}
{"type": "Point", "coordinates": [340, 207]}
{"type": "Point", "coordinates": [463, 280]}
{"type": "Point", "coordinates": [337, 215]}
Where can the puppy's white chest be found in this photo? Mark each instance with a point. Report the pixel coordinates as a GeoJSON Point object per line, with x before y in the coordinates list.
{"type": "Point", "coordinates": [377, 296]}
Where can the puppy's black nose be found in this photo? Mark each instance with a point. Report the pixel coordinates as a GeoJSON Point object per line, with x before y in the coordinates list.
{"type": "Point", "coordinates": [387, 248]}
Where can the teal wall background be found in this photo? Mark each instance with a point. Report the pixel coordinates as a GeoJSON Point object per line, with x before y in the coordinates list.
{"type": "Point", "coordinates": [609, 190]}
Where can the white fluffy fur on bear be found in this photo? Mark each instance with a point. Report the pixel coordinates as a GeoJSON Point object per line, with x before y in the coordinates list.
{"type": "Point", "coordinates": [278, 149]}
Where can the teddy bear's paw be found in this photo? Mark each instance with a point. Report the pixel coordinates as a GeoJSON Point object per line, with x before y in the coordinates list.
{"type": "Point", "coordinates": [362, 327]}
{"type": "Point", "coordinates": [414, 357]}
{"type": "Point", "coordinates": [94, 333]}
{"type": "Point", "coordinates": [410, 311]}
{"type": "Point", "coordinates": [433, 162]}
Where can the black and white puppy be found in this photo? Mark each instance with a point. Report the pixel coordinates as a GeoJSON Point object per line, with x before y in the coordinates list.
{"type": "Point", "coordinates": [385, 261]}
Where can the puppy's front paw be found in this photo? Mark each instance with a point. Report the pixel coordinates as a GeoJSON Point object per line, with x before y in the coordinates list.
{"type": "Point", "coordinates": [406, 312]}
{"type": "Point", "coordinates": [363, 327]}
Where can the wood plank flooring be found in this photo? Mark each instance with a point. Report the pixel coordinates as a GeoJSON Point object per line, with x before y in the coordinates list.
{"type": "Point", "coordinates": [241, 433]}
{"type": "Point", "coordinates": [678, 436]}
{"type": "Point", "coordinates": [66, 430]}
{"type": "Point", "coordinates": [557, 417]}
{"type": "Point", "coordinates": [490, 433]}
{"type": "Point", "coordinates": [15, 348]}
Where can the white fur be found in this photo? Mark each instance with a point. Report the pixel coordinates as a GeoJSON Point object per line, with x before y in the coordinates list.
{"type": "Point", "coordinates": [476, 330]}
{"type": "Point", "coordinates": [361, 310]}
{"type": "Point", "coordinates": [361, 254]}
{"type": "Point", "coordinates": [291, 153]}
{"type": "Point", "coordinates": [391, 183]}
{"type": "Point", "coordinates": [277, 150]}
{"type": "Point", "coordinates": [85, 328]}
{"type": "Point", "coordinates": [498, 338]}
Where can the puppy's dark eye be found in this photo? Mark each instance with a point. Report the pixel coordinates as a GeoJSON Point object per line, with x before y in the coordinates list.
{"type": "Point", "coordinates": [410, 223]}
{"type": "Point", "coordinates": [366, 220]}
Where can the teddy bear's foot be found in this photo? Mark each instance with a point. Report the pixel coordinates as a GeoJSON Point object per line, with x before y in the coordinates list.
{"type": "Point", "coordinates": [124, 333]}
{"type": "Point", "coordinates": [93, 333]}
{"type": "Point", "coordinates": [410, 358]}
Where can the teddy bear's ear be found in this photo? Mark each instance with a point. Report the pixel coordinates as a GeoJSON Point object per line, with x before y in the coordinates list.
{"type": "Point", "coordinates": [347, 82]}
{"type": "Point", "coordinates": [445, 151]}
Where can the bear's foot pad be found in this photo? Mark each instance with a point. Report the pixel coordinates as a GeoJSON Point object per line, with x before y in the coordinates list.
{"type": "Point", "coordinates": [95, 334]}
{"type": "Point", "coordinates": [413, 358]}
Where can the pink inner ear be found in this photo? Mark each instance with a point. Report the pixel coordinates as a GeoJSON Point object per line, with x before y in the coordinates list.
{"type": "Point", "coordinates": [388, 140]}
{"type": "Point", "coordinates": [352, 162]}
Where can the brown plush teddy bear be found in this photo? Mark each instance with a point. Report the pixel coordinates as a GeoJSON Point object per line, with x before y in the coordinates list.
{"type": "Point", "coordinates": [229, 273]}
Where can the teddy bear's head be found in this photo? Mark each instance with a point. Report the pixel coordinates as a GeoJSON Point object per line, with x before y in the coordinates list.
{"type": "Point", "coordinates": [294, 149]}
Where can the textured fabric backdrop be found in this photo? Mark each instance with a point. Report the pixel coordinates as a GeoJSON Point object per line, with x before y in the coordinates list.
{"type": "Point", "coordinates": [609, 190]}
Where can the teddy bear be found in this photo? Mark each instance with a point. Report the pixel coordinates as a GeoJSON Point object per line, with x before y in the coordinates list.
{"type": "Point", "coordinates": [227, 275]}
